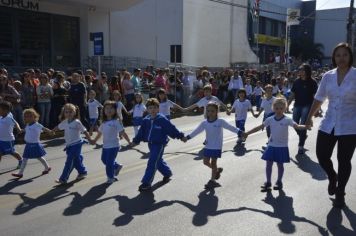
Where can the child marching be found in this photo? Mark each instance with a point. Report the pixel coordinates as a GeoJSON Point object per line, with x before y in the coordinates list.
{"type": "Point", "coordinates": [138, 112]}
{"type": "Point", "coordinates": [7, 138]}
{"type": "Point", "coordinates": [241, 107]}
{"type": "Point", "coordinates": [72, 134]}
{"type": "Point", "coordinates": [93, 107]}
{"type": "Point", "coordinates": [33, 149]}
{"type": "Point", "coordinates": [155, 130]}
{"type": "Point", "coordinates": [213, 127]}
{"type": "Point", "coordinates": [277, 150]}
{"type": "Point", "coordinates": [109, 129]}
{"type": "Point", "coordinates": [165, 104]}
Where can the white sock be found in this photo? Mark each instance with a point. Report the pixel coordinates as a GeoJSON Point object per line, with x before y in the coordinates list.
{"type": "Point", "coordinates": [136, 129]}
{"type": "Point", "coordinates": [23, 166]}
{"type": "Point", "coordinates": [44, 162]}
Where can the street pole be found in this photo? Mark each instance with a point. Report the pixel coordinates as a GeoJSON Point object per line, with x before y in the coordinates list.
{"type": "Point", "coordinates": [350, 22]}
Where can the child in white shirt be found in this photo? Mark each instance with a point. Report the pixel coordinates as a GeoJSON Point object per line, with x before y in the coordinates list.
{"type": "Point", "coordinates": [165, 104]}
{"type": "Point", "coordinates": [93, 108]}
{"type": "Point", "coordinates": [277, 149]}
{"type": "Point", "coordinates": [138, 112]}
{"type": "Point", "coordinates": [213, 127]}
{"type": "Point", "coordinates": [33, 149]}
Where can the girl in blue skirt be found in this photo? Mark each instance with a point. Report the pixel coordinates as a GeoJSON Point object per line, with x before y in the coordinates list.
{"type": "Point", "coordinates": [277, 149]}
{"type": "Point", "coordinates": [138, 112]}
{"type": "Point", "coordinates": [33, 149]}
{"type": "Point", "coordinates": [110, 130]}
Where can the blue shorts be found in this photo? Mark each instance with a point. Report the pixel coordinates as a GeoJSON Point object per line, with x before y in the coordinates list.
{"type": "Point", "coordinates": [212, 153]}
{"type": "Point", "coordinates": [93, 121]}
{"type": "Point", "coordinates": [7, 147]}
{"type": "Point", "coordinates": [137, 121]}
{"type": "Point", "coordinates": [276, 154]}
{"type": "Point", "coordinates": [33, 150]}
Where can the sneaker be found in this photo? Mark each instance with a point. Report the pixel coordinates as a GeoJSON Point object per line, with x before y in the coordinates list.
{"type": "Point", "coordinates": [166, 179]}
{"type": "Point", "coordinates": [144, 187]}
{"type": "Point", "coordinates": [46, 171]}
{"type": "Point", "coordinates": [218, 174]}
{"type": "Point", "coordinates": [17, 175]}
{"type": "Point", "coordinates": [111, 180]}
{"type": "Point", "coordinates": [59, 181]}
{"type": "Point", "coordinates": [117, 170]}
{"type": "Point", "coordinates": [278, 185]}
{"type": "Point", "coordinates": [81, 176]}
{"type": "Point", "coordinates": [266, 187]}
{"type": "Point", "coordinates": [332, 186]}
{"type": "Point", "coordinates": [211, 184]}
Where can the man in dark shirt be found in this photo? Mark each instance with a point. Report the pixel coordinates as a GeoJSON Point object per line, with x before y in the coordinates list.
{"type": "Point", "coordinates": [78, 97]}
{"type": "Point", "coordinates": [303, 91]}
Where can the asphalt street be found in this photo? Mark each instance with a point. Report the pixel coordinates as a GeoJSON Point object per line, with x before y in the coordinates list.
{"type": "Point", "coordinates": [35, 206]}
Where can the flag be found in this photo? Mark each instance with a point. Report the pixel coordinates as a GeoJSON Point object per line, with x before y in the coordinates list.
{"type": "Point", "coordinates": [255, 11]}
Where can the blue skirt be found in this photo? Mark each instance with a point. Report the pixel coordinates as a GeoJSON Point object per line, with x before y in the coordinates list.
{"type": "Point", "coordinates": [7, 147]}
{"type": "Point", "coordinates": [276, 154]}
{"type": "Point", "coordinates": [137, 121]}
{"type": "Point", "coordinates": [93, 121]}
{"type": "Point", "coordinates": [33, 150]}
{"type": "Point", "coordinates": [212, 153]}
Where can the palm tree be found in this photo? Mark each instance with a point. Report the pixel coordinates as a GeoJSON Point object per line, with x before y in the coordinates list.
{"type": "Point", "coordinates": [305, 49]}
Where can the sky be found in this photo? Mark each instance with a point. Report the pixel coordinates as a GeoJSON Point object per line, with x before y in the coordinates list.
{"type": "Point", "coordinates": [329, 4]}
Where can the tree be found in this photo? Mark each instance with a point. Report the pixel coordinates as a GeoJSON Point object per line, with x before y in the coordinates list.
{"type": "Point", "coordinates": [305, 49]}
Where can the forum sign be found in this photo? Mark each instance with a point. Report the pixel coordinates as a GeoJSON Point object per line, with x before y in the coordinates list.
{"type": "Point", "coordinates": [21, 4]}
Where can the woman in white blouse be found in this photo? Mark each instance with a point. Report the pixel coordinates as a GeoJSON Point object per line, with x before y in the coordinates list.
{"type": "Point", "coordinates": [339, 124]}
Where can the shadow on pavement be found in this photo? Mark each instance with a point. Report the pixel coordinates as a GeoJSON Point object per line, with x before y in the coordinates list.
{"type": "Point", "coordinates": [335, 218]}
{"type": "Point", "coordinates": [206, 207]}
{"type": "Point", "coordinates": [142, 204]}
{"type": "Point", "coordinates": [5, 190]}
{"type": "Point", "coordinates": [144, 154]}
{"type": "Point", "coordinates": [283, 209]}
{"type": "Point", "coordinates": [52, 195]}
{"type": "Point", "coordinates": [198, 156]}
{"type": "Point", "coordinates": [306, 164]}
{"type": "Point", "coordinates": [53, 143]}
{"type": "Point", "coordinates": [91, 198]}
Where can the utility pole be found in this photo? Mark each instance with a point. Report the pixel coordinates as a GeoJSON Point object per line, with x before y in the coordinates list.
{"type": "Point", "coordinates": [350, 22]}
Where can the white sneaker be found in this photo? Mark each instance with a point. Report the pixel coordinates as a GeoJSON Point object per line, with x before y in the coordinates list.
{"type": "Point", "coordinates": [110, 181]}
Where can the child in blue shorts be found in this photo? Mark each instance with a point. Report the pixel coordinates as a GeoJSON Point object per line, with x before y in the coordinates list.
{"type": "Point", "coordinates": [213, 127]}
{"type": "Point", "coordinates": [7, 138]}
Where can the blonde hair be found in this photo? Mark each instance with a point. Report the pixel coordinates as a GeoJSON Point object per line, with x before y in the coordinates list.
{"type": "Point", "coordinates": [280, 101]}
{"type": "Point", "coordinates": [32, 112]}
{"type": "Point", "coordinates": [207, 88]}
{"type": "Point", "coordinates": [71, 107]}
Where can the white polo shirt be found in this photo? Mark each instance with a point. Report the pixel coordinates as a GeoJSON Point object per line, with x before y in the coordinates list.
{"type": "Point", "coordinates": [33, 132]}
{"type": "Point", "coordinates": [7, 125]}
{"type": "Point", "coordinates": [204, 101]}
{"type": "Point", "coordinates": [165, 107]}
{"type": "Point", "coordinates": [110, 130]}
{"type": "Point", "coordinates": [72, 131]}
{"type": "Point", "coordinates": [138, 110]}
{"type": "Point", "coordinates": [279, 130]}
{"type": "Point", "coordinates": [258, 91]}
{"type": "Point", "coordinates": [266, 104]}
{"type": "Point", "coordinates": [341, 112]}
{"type": "Point", "coordinates": [93, 107]}
{"type": "Point", "coordinates": [119, 107]}
{"type": "Point", "coordinates": [241, 109]}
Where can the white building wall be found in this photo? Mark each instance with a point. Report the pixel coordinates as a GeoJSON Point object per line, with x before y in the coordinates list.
{"type": "Point", "coordinates": [215, 34]}
{"type": "Point", "coordinates": [337, 29]}
{"type": "Point", "coordinates": [147, 29]}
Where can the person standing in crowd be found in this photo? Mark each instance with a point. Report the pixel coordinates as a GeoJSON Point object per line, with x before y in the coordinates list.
{"type": "Point", "coordinates": [28, 92]}
{"type": "Point", "coordinates": [129, 91]}
{"type": "Point", "coordinates": [338, 126]}
{"type": "Point", "coordinates": [303, 91]}
{"type": "Point", "coordinates": [136, 80]}
{"type": "Point", "coordinates": [103, 88]}
{"type": "Point", "coordinates": [57, 102]}
{"type": "Point", "coordinates": [235, 85]}
{"type": "Point", "coordinates": [78, 97]}
{"type": "Point", "coordinates": [44, 93]}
